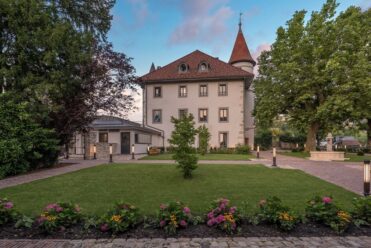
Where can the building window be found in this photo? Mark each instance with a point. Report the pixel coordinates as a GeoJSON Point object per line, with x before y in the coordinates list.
{"type": "Point", "coordinates": [103, 137]}
{"type": "Point", "coordinates": [222, 90]}
{"type": "Point", "coordinates": [157, 116]}
{"type": "Point", "coordinates": [203, 67]}
{"type": "Point", "coordinates": [157, 91]}
{"type": "Point", "coordinates": [182, 91]}
{"type": "Point", "coordinates": [203, 90]}
{"type": "Point", "coordinates": [223, 114]}
{"type": "Point", "coordinates": [183, 113]}
{"type": "Point", "coordinates": [142, 138]}
{"type": "Point", "coordinates": [183, 68]}
{"type": "Point", "coordinates": [202, 115]}
{"type": "Point", "coordinates": [223, 139]}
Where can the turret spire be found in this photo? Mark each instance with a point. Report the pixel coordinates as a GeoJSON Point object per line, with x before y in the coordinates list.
{"type": "Point", "coordinates": [240, 23]}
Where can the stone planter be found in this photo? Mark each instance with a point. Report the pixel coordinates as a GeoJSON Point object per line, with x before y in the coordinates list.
{"type": "Point", "coordinates": [326, 156]}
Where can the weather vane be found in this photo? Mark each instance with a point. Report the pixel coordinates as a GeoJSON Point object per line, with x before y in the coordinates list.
{"type": "Point", "coordinates": [240, 23]}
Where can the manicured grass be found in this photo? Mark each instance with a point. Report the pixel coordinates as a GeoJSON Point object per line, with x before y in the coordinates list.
{"type": "Point", "coordinates": [168, 156]}
{"type": "Point", "coordinates": [352, 157]}
{"type": "Point", "coordinates": [148, 185]}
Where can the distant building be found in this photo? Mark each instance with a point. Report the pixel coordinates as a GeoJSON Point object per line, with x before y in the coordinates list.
{"type": "Point", "coordinates": [219, 95]}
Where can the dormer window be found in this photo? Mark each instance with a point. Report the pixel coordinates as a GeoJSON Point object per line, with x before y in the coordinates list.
{"type": "Point", "coordinates": [203, 66]}
{"type": "Point", "coordinates": [183, 68]}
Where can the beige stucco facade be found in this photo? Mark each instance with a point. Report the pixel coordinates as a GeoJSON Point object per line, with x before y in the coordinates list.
{"type": "Point", "coordinates": [235, 101]}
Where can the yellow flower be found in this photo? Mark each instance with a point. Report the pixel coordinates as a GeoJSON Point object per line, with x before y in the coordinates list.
{"type": "Point", "coordinates": [116, 218]}
{"type": "Point", "coordinates": [285, 216]}
{"type": "Point", "coordinates": [229, 217]}
{"type": "Point", "coordinates": [344, 216]}
{"type": "Point", "coordinates": [173, 220]}
{"type": "Point", "coordinates": [51, 218]}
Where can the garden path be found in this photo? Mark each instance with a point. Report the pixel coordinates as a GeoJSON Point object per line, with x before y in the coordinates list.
{"type": "Point", "coordinates": [237, 242]}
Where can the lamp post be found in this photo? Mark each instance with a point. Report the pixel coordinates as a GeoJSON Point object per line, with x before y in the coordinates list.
{"type": "Point", "coordinates": [297, 145]}
{"type": "Point", "coordinates": [110, 153]}
{"type": "Point", "coordinates": [274, 157]}
{"type": "Point", "coordinates": [132, 151]}
{"type": "Point", "coordinates": [147, 148]}
{"type": "Point", "coordinates": [366, 177]}
{"type": "Point", "coordinates": [95, 151]}
{"type": "Point", "coordinates": [257, 152]}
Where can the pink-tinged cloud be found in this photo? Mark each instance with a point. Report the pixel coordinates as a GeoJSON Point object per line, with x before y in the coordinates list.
{"type": "Point", "coordinates": [140, 10]}
{"type": "Point", "coordinates": [203, 20]}
{"type": "Point", "coordinates": [262, 47]}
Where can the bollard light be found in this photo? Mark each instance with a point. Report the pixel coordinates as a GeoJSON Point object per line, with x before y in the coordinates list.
{"type": "Point", "coordinates": [297, 145]}
{"type": "Point", "coordinates": [95, 151]}
{"type": "Point", "coordinates": [132, 151]}
{"type": "Point", "coordinates": [148, 149]}
{"type": "Point", "coordinates": [110, 153]}
{"type": "Point", "coordinates": [366, 177]}
{"type": "Point", "coordinates": [257, 152]}
{"type": "Point", "coordinates": [274, 157]}
{"type": "Point", "coordinates": [336, 147]}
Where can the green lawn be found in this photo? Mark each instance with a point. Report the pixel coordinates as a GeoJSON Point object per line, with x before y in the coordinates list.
{"type": "Point", "coordinates": [352, 157]}
{"type": "Point", "coordinates": [168, 156]}
{"type": "Point", "coordinates": [148, 185]}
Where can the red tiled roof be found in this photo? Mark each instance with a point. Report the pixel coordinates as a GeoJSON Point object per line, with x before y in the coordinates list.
{"type": "Point", "coordinates": [217, 70]}
{"type": "Point", "coordinates": [240, 52]}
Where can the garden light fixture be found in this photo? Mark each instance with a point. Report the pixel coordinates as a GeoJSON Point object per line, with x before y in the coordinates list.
{"type": "Point", "coordinates": [366, 177]}
{"type": "Point", "coordinates": [132, 151]}
{"type": "Point", "coordinates": [95, 151]}
{"type": "Point", "coordinates": [257, 151]}
{"type": "Point", "coordinates": [274, 157]}
{"type": "Point", "coordinates": [110, 153]}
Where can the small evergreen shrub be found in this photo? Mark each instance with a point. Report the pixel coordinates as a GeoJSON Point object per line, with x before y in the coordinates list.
{"type": "Point", "coordinates": [323, 210]}
{"type": "Point", "coordinates": [58, 216]}
{"type": "Point", "coordinates": [242, 149]}
{"type": "Point", "coordinates": [271, 211]}
{"type": "Point", "coordinates": [173, 216]}
{"type": "Point", "coordinates": [120, 219]}
{"type": "Point", "coordinates": [223, 216]}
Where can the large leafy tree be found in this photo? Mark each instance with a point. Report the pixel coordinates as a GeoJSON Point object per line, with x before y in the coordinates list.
{"type": "Point", "coordinates": [55, 55]}
{"type": "Point", "coordinates": [316, 71]}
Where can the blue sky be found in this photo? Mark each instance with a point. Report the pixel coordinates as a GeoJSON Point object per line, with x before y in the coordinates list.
{"type": "Point", "coordinates": [161, 31]}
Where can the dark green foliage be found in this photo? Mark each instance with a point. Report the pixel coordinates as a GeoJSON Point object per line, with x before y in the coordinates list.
{"type": "Point", "coordinates": [362, 211]}
{"type": "Point", "coordinates": [242, 149]}
{"type": "Point", "coordinates": [204, 138]}
{"type": "Point", "coordinates": [263, 138]}
{"type": "Point", "coordinates": [24, 145]}
{"type": "Point", "coordinates": [182, 138]}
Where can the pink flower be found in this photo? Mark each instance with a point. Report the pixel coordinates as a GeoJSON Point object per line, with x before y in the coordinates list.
{"type": "Point", "coordinates": [220, 219]}
{"type": "Point", "coordinates": [162, 223]}
{"type": "Point", "coordinates": [222, 206]}
{"type": "Point", "coordinates": [326, 200]}
{"type": "Point", "coordinates": [163, 206]}
{"type": "Point", "coordinates": [41, 219]}
{"type": "Point", "coordinates": [183, 223]}
{"type": "Point", "coordinates": [8, 205]}
{"type": "Point", "coordinates": [210, 215]}
{"type": "Point", "coordinates": [232, 210]}
{"type": "Point", "coordinates": [211, 222]}
{"type": "Point", "coordinates": [186, 210]}
{"type": "Point", "coordinates": [224, 201]}
{"type": "Point", "coordinates": [58, 209]}
{"type": "Point", "coordinates": [51, 206]}
{"type": "Point", "coordinates": [104, 227]}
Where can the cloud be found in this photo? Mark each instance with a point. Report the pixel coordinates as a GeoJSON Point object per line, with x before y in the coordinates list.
{"type": "Point", "coordinates": [202, 20]}
{"type": "Point", "coordinates": [140, 10]}
{"type": "Point", "coordinates": [262, 47]}
{"type": "Point", "coordinates": [250, 13]}
{"type": "Point", "coordinates": [365, 4]}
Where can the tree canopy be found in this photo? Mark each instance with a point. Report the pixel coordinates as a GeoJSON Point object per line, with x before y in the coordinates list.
{"type": "Point", "coordinates": [317, 72]}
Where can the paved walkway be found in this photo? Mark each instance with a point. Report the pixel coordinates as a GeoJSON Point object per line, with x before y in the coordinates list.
{"type": "Point", "coordinates": [348, 175]}
{"type": "Point", "coordinates": [338, 242]}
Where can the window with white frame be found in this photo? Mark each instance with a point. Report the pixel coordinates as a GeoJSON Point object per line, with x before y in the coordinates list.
{"type": "Point", "coordinates": [202, 115]}
{"type": "Point", "coordinates": [223, 114]}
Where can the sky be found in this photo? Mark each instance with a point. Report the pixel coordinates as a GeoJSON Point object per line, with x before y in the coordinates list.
{"type": "Point", "coordinates": [161, 31]}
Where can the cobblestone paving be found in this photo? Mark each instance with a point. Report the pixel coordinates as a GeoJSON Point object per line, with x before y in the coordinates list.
{"type": "Point", "coordinates": [337, 242]}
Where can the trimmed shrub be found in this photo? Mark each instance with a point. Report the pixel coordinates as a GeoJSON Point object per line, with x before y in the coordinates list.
{"type": "Point", "coordinates": [242, 149]}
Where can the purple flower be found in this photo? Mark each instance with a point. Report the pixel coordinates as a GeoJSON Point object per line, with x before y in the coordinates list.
{"type": "Point", "coordinates": [211, 222]}
{"type": "Point", "coordinates": [233, 226]}
{"type": "Point", "coordinates": [186, 210]}
{"type": "Point", "coordinates": [183, 223]}
{"type": "Point", "coordinates": [210, 215]}
{"type": "Point", "coordinates": [326, 200]}
{"type": "Point", "coordinates": [51, 206]}
{"type": "Point", "coordinates": [8, 205]}
{"type": "Point", "coordinates": [232, 210]}
{"type": "Point", "coordinates": [162, 223]}
{"type": "Point", "coordinates": [222, 206]}
{"type": "Point", "coordinates": [104, 227]}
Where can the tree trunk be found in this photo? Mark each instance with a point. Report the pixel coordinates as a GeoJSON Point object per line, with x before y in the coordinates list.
{"type": "Point", "coordinates": [310, 145]}
{"type": "Point", "coordinates": [369, 133]}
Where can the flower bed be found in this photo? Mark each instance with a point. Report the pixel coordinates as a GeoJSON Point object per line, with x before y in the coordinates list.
{"type": "Point", "coordinates": [64, 220]}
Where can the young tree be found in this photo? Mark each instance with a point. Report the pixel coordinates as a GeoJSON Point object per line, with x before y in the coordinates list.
{"type": "Point", "coordinates": [204, 138]}
{"type": "Point", "coordinates": [182, 138]}
{"type": "Point", "coordinates": [310, 74]}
